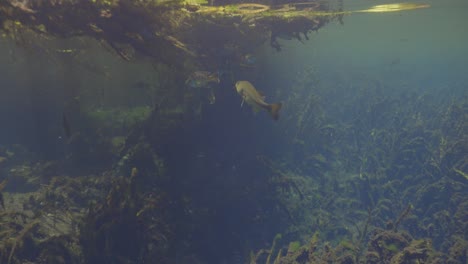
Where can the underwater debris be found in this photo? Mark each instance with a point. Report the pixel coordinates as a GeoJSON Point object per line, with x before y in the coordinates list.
{"type": "Point", "coordinates": [173, 31]}
{"type": "Point", "coordinates": [159, 30]}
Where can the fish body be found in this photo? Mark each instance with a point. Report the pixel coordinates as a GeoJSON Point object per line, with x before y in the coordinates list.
{"type": "Point", "coordinates": [66, 126]}
{"type": "Point", "coordinates": [251, 96]}
{"type": "Point", "coordinates": [199, 79]}
{"type": "Point", "coordinates": [2, 185]}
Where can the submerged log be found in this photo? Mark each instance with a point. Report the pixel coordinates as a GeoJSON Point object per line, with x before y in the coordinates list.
{"type": "Point", "coordinates": [167, 31]}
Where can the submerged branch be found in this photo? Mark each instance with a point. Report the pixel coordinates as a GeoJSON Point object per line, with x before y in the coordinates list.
{"type": "Point", "coordinates": [164, 30]}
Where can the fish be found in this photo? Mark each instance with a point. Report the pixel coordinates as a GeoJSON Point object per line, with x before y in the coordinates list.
{"type": "Point", "coordinates": [248, 60]}
{"type": "Point", "coordinates": [251, 96]}
{"type": "Point", "coordinates": [66, 126]}
{"type": "Point", "coordinates": [2, 200]}
{"type": "Point", "coordinates": [200, 79]}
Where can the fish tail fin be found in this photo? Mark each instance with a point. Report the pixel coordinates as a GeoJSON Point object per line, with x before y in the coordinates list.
{"type": "Point", "coordinates": [274, 110]}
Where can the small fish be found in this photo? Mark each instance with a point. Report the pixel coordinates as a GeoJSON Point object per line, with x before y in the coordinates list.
{"type": "Point", "coordinates": [2, 186]}
{"type": "Point", "coordinates": [66, 126]}
{"type": "Point", "coordinates": [248, 60]}
{"type": "Point", "coordinates": [252, 97]}
{"type": "Point", "coordinates": [201, 79]}
{"type": "Point", "coordinates": [23, 5]}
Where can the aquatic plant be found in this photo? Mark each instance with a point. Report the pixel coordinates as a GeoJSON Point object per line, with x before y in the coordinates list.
{"type": "Point", "coordinates": [25, 236]}
{"type": "Point", "coordinates": [273, 249]}
{"type": "Point", "coordinates": [293, 246]}
{"type": "Point", "coordinates": [124, 224]}
{"type": "Point", "coordinates": [393, 158]}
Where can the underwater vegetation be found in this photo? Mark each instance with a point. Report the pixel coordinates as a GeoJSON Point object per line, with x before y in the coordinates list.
{"type": "Point", "coordinates": [128, 222]}
{"type": "Point", "coordinates": [389, 167]}
{"type": "Point", "coordinates": [384, 247]}
{"type": "Point", "coordinates": [362, 190]}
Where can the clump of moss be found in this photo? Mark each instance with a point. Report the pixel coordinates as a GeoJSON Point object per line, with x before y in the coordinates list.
{"type": "Point", "coordinates": [293, 247]}
{"type": "Point", "coordinates": [392, 247]}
